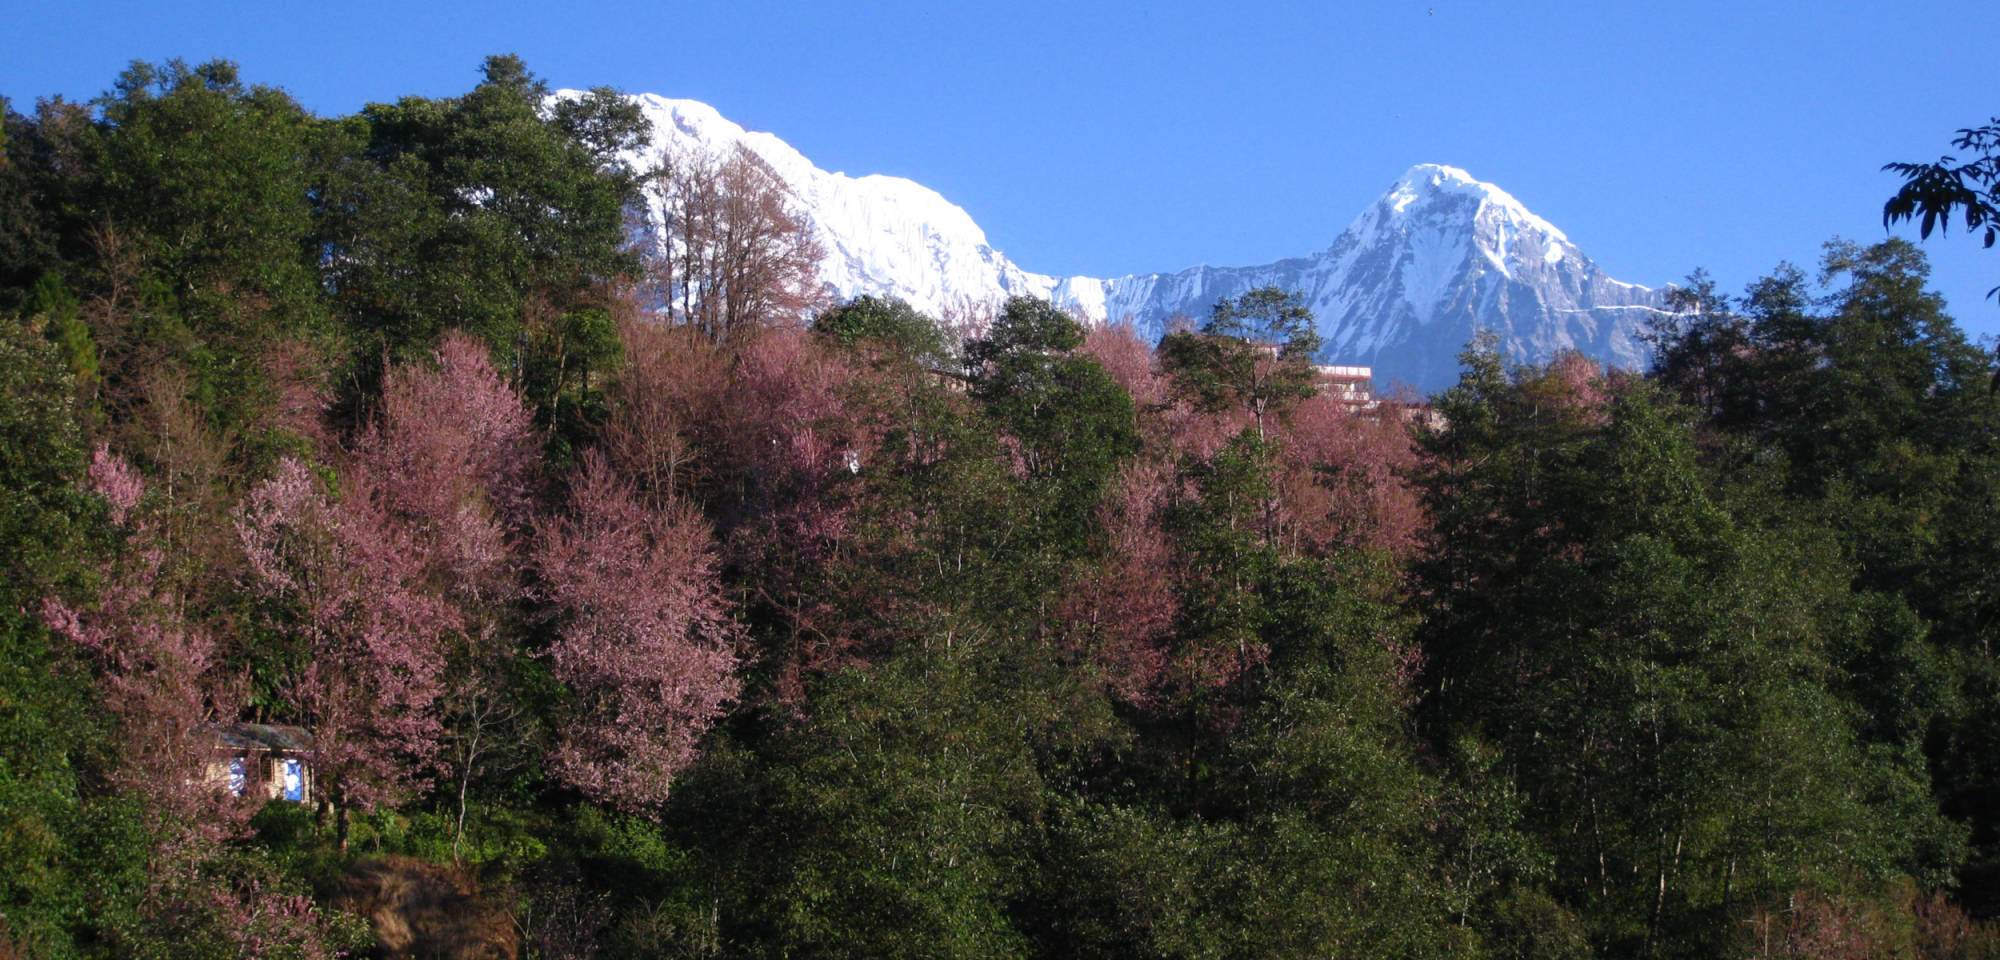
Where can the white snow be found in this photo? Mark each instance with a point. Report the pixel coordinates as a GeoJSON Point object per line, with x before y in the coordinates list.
{"type": "Point", "coordinates": [882, 235]}
{"type": "Point", "coordinates": [1436, 256]}
{"type": "Point", "coordinates": [1438, 239]}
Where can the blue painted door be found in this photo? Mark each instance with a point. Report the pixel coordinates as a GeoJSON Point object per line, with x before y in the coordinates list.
{"type": "Point", "coordinates": [292, 772]}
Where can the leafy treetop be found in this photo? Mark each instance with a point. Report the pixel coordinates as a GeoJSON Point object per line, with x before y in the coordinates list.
{"type": "Point", "coordinates": [1933, 191]}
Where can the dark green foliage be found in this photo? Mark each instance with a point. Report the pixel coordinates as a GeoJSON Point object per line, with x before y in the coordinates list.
{"type": "Point", "coordinates": [1656, 676]}
{"type": "Point", "coordinates": [61, 844]}
{"type": "Point", "coordinates": [1072, 422]}
{"type": "Point", "coordinates": [189, 238]}
{"type": "Point", "coordinates": [1229, 566]}
{"type": "Point", "coordinates": [45, 520]}
{"type": "Point", "coordinates": [1281, 814]}
{"type": "Point", "coordinates": [52, 307]}
{"type": "Point", "coordinates": [1255, 353]}
{"type": "Point", "coordinates": [1148, 885]}
{"type": "Point", "coordinates": [206, 179]}
{"type": "Point", "coordinates": [889, 325]}
{"type": "Point", "coordinates": [1935, 191]}
{"type": "Point", "coordinates": [170, 257]}
{"type": "Point", "coordinates": [1873, 414]}
{"type": "Point", "coordinates": [948, 513]}
{"type": "Point", "coordinates": [1267, 315]}
{"type": "Point", "coordinates": [1697, 344]}
{"type": "Point", "coordinates": [895, 821]}
{"type": "Point", "coordinates": [485, 212]}
{"type": "Point", "coordinates": [68, 863]}
{"type": "Point", "coordinates": [27, 240]}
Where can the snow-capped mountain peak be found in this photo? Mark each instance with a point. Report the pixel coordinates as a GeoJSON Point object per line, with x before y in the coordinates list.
{"type": "Point", "coordinates": [1429, 179]}
{"type": "Point", "coordinates": [1435, 196]}
{"type": "Point", "coordinates": [882, 235]}
{"type": "Point", "coordinates": [1439, 256]}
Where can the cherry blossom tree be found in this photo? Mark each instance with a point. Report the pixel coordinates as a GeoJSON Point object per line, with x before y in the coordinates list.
{"type": "Point", "coordinates": [1172, 425]}
{"type": "Point", "coordinates": [113, 479]}
{"type": "Point", "coordinates": [351, 580]}
{"type": "Point", "coordinates": [156, 669]}
{"type": "Point", "coordinates": [448, 456]}
{"type": "Point", "coordinates": [1581, 383]}
{"type": "Point", "coordinates": [159, 674]}
{"type": "Point", "coordinates": [1129, 601]}
{"type": "Point", "coordinates": [796, 433]}
{"type": "Point", "coordinates": [768, 433]}
{"type": "Point", "coordinates": [643, 638]}
{"type": "Point", "coordinates": [298, 379]}
{"type": "Point", "coordinates": [1341, 478]}
{"type": "Point", "coordinates": [1118, 348]}
{"type": "Point", "coordinates": [672, 385]}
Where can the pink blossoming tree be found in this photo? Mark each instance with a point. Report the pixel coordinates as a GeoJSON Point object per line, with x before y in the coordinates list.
{"type": "Point", "coordinates": [352, 579]}
{"type": "Point", "coordinates": [644, 640]}
{"type": "Point", "coordinates": [160, 677]}
{"type": "Point", "coordinates": [448, 457]}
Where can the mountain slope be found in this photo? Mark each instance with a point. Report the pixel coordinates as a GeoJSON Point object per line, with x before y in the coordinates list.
{"type": "Point", "coordinates": [1404, 287]}
{"type": "Point", "coordinates": [1439, 256]}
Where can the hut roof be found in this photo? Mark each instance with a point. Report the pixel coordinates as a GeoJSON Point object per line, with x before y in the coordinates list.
{"type": "Point", "coordinates": [262, 736]}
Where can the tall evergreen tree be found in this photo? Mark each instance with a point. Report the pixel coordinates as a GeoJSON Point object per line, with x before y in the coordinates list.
{"type": "Point", "coordinates": [1254, 353]}
{"type": "Point", "coordinates": [498, 212]}
{"type": "Point", "coordinates": [1871, 412]}
{"type": "Point", "coordinates": [1071, 422]}
{"type": "Point", "coordinates": [1656, 676]}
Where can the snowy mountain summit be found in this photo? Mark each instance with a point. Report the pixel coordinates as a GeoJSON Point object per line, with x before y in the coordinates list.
{"type": "Point", "coordinates": [1436, 258]}
{"type": "Point", "coordinates": [1402, 289]}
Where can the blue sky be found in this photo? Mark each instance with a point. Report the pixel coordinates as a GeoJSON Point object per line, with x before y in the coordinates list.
{"type": "Point", "coordinates": [1111, 138]}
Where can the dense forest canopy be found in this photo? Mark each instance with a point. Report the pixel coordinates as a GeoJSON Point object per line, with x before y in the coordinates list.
{"type": "Point", "coordinates": [625, 597]}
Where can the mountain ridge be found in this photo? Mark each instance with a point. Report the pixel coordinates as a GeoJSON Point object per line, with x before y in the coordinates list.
{"type": "Point", "coordinates": [1403, 288]}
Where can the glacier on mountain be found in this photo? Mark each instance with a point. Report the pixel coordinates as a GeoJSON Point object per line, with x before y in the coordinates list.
{"type": "Point", "coordinates": [1403, 289]}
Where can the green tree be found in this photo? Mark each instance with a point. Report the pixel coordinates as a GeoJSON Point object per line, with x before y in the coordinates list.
{"type": "Point", "coordinates": [897, 819]}
{"type": "Point", "coordinates": [71, 866]}
{"type": "Point", "coordinates": [1656, 676]}
{"type": "Point", "coordinates": [1282, 815]}
{"type": "Point", "coordinates": [179, 218]}
{"type": "Point", "coordinates": [1073, 423]}
{"type": "Point", "coordinates": [1866, 416]}
{"type": "Point", "coordinates": [1934, 191]}
{"type": "Point", "coordinates": [1255, 353]}
{"type": "Point", "coordinates": [1697, 343]}
{"type": "Point", "coordinates": [207, 177]}
{"type": "Point", "coordinates": [46, 521]}
{"type": "Point", "coordinates": [1869, 408]}
{"type": "Point", "coordinates": [27, 236]}
{"type": "Point", "coordinates": [891, 325]}
{"type": "Point", "coordinates": [498, 212]}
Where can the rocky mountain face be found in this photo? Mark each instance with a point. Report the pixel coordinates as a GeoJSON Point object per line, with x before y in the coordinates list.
{"type": "Point", "coordinates": [1402, 289]}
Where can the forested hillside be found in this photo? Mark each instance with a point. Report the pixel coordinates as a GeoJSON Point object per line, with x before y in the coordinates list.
{"type": "Point", "coordinates": [633, 600]}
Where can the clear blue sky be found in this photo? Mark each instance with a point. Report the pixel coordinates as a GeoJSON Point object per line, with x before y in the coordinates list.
{"type": "Point", "coordinates": [1112, 138]}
